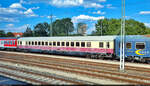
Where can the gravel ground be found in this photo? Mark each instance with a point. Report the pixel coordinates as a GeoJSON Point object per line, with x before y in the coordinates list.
{"type": "Point", "coordinates": [66, 74]}
{"type": "Point", "coordinates": [81, 59]}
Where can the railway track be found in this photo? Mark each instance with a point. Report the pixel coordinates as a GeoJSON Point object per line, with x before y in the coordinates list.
{"type": "Point", "coordinates": [38, 77]}
{"type": "Point", "coordinates": [99, 74]}
{"type": "Point", "coordinates": [95, 64]}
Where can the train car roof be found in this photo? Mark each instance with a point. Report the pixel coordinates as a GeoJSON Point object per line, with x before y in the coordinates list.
{"type": "Point", "coordinates": [69, 38]}
{"type": "Point", "coordinates": [135, 38]}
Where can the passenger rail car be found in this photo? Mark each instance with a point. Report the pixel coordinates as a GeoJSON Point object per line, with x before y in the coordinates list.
{"type": "Point", "coordinates": [137, 47]}
{"type": "Point", "coordinates": [8, 42]}
{"type": "Point", "coordinates": [97, 45]}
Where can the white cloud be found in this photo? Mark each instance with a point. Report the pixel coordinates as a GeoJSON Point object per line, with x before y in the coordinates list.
{"type": "Point", "coordinates": [30, 13]}
{"type": "Point", "coordinates": [147, 24]}
{"type": "Point", "coordinates": [12, 13]}
{"type": "Point", "coordinates": [99, 12]}
{"type": "Point", "coordinates": [93, 5]}
{"type": "Point", "coordinates": [35, 8]}
{"type": "Point", "coordinates": [16, 5]}
{"type": "Point", "coordinates": [5, 19]}
{"type": "Point", "coordinates": [69, 3]}
{"type": "Point", "coordinates": [17, 29]}
{"type": "Point", "coordinates": [9, 11]}
{"type": "Point", "coordinates": [66, 2]}
{"type": "Point", "coordinates": [75, 19]}
{"type": "Point", "coordinates": [110, 6]}
{"type": "Point", "coordinates": [10, 25]}
{"type": "Point", "coordinates": [102, 0]}
{"type": "Point", "coordinates": [50, 17]}
{"type": "Point", "coordinates": [145, 12]}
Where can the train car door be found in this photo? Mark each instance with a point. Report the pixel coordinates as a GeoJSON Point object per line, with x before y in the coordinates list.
{"type": "Point", "coordinates": [128, 48]}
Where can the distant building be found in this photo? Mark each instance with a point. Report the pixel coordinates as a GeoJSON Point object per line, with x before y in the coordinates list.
{"type": "Point", "coordinates": [18, 34]}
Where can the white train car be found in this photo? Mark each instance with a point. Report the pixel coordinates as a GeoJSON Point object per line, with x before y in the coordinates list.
{"type": "Point", "coordinates": [75, 45]}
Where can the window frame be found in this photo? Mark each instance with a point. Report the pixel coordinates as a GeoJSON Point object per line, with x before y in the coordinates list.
{"type": "Point", "coordinates": [131, 45]}
{"type": "Point", "coordinates": [63, 44]}
{"type": "Point", "coordinates": [108, 45]}
{"type": "Point", "coordinates": [54, 43]}
{"type": "Point", "coordinates": [67, 44]}
{"type": "Point", "coordinates": [83, 43]}
{"type": "Point", "coordinates": [39, 43]}
{"type": "Point", "coordinates": [72, 44]}
{"type": "Point", "coordinates": [50, 43]}
{"type": "Point", "coordinates": [32, 43]}
{"type": "Point", "coordinates": [140, 42]}
{"type": "Point", "coordinates": [43, 43]}
{"type": "Point", "coordinates": [36, 43]}
{"type": "Point", "coordinates": [78, 43]}
{"type": "Point", "coordinates": [58, 43]}
{"type": "Point", "coordinates": [46, 43]}
{"type": "Point", "coordinates": [102, 45]}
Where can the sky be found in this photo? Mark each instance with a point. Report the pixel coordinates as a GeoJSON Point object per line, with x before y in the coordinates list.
{"type": "Point", "coordinates": [16, 15]}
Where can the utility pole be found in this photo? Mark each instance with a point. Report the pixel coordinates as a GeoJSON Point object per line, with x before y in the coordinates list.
{"type": "Point", "coordinates": [51, 28]}
{"type": "Point", "coordinates": [101, 27]}
{"type": "Point", "coordinates": [122, 37]}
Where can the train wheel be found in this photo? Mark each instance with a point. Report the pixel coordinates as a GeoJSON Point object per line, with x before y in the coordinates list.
{"type": "Point", "coordinates": [132, 60]}
{"type": "Point", "coordinates": [88, 56]}
{"type": "Point", "coordinates": [148, 61]}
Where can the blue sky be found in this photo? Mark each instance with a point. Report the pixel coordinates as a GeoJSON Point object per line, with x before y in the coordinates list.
{"type": "Point", "coordinates": [16, 15]}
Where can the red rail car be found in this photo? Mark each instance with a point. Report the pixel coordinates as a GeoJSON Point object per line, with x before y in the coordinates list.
{"type": "Point", "coordinates": [6, 42]}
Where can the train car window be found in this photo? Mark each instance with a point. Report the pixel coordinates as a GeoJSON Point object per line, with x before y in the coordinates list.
{"type": "Point", "coordinates": [15, 42]}
{"type": "Point", "coordinates": [39, 43]}
{"type": "Point", "coordinates": [62, 43]}
{"type": "Point", "coordinates": [77, 44]}
{"type": "Point", "coordinates": [29, 43]}
{"type": "Point", "coordinates": [2, 42]}
{"type": "Point", "coordinates": [20, 42]}
{"type": "Point", "coordinates": [140, 45]}
{"type": "Point", "coordinates": [11, 42]}
{"type": "Point", "coordinates": [50, 43]}
{"type": "Point", "coordinates": [88, 44]}
{"type": "Point", "coordinates": [46, 43]}
{"type": "Point", "coordinates": [128, 45]}
{"type": "Point", "coordinates": [108, 45]}
{"type": "Point", "coordinates": [58, 43]}
{"type": "Point", "coordinates": [5, 42]}
{"type": "Point", "coordinates": [26, 43]}
{"type": "Point", "coordinates": [36, 43]}
{"type": "Point", "coordinates": [101, 44]}
{"type": "Point", "coordinates": [82, 44]}
{"type": "Point", "coordinates": [42, 43]}
{"type": "Point", "coordinates": [67, 43]}
{"type": "Point", "coordinates": [54, 43]}
{"type": "Point", "coordinates": [72, 44]}
{"type": "Point", "coordinates": [32, 43]}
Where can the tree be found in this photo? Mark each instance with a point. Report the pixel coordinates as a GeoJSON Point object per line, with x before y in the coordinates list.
{"type": "Point", "coordinates": [28, 32]}
{"type": "Point", "coordinates": [81, 28]}
{"type": "Point", "coordinates": [10, 34]}
{"type": "Point", "coordinates": [113, 27]}
{"type": "Point", "coordinates": [2, 33]}
{"type": "Point", "coordinates": [62, 27]}
{"type": "Point", "coordinates": [41, 29]}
